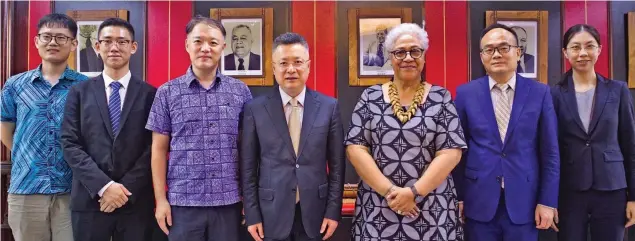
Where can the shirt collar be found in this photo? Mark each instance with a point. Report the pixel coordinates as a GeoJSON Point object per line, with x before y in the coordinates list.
{"type": "Point", "coordinates": [511, 82]}
{"type": "Point", "coordinates": [246, 58]}
{"type": "Point", "coordinates": [125, 80]}
{"type": "Point", "coordinates": [67, 74]}
{"type": "Point", "coordinates": [190, 77]}
{"type": "Point", "coordinates": [286, 97]}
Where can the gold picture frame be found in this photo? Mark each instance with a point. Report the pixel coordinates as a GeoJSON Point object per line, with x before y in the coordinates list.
{"type": "Point", "coordinates": [262, 18]}
{"type": "Point", "coordinates": [94, 16]}
{"type": "Point", "coordinates": [534, 25]}
{"type": "Point", "coordinates": [631, 49]}
{"type": "Point", "coordinates": [361, 21]}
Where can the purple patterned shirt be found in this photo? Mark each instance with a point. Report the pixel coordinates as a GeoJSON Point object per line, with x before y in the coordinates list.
{"type": "Point", "coordinates": [203, 129]}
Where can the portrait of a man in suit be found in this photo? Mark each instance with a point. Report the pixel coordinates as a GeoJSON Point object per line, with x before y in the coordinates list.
{"type": "Point", "coordinates": [526, 63]}
{"type": "Point", "coordinates": [89, 59]}
{"type": "Point", "coordinates": [242, 57]}
{"type": "Point", "coordinates": [376, 53]}
{"type": "Point", "coordinates": [374, 56]}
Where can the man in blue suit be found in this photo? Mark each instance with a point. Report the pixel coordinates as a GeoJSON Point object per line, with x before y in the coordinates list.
{"type": "Point", "coordinates": [508, 179]}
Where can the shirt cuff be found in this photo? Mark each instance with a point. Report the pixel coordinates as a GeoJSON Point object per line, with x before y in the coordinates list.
{"type": "Point", "coordinates": [547, 206]}
{"type": "Point", "coordinates": [103, 189]}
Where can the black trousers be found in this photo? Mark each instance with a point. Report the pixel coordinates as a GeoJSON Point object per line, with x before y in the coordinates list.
{"type": "Point", "coordinates": [220, 223]}
{"type": "Point", "coordinates": [136, 225]}
{"type": "Point", "coordinates": [297, 232]}
{"type": "Point", "coordinates": [603, 211]}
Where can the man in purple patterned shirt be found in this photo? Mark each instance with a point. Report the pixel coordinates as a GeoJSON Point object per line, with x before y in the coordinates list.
{"type": "Point", "coordinates": [195, 117]}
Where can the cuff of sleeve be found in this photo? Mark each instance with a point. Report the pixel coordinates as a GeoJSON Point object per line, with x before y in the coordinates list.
{"type": "Point", "coordinates": [103, 189]}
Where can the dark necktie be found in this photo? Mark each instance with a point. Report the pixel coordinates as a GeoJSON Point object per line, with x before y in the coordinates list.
{"type": "Point", "coordinates": [114, 105]}
{"type": "Point", "coordinates": [380, 53]}
{"type": "Point", "coordinates": [241, 66]}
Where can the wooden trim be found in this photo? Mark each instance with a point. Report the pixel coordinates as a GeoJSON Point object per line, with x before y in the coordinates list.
{"type": "Point", "coordinates": [631, 49]}
{"type": "Point", "coordinates": [542, 17]}
{"type": "Point", "coordinates": [354, 79]}
{"type": "Point", "coordinates": [267, 17]}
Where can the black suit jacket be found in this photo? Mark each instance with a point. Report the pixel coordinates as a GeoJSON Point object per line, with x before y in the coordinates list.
{"type": "Point", "coordinates": [270, 169]}
{"type": "Point", "coordinates": [97, 155]}
{"type": "Point", "coordinates": [603, 158]}
{"type": "Point", "coordinates": [89, 61]}
{"type": "Point", "coordinates": [254, 62]}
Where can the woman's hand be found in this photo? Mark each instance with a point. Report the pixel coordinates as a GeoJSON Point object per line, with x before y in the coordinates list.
{"type": "Point", "coordinates": [402, 201]}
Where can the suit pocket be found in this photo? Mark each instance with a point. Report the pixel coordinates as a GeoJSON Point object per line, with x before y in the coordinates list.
{"type": "Point", "coordinates": [265, 194]}
{"type": "Point", "coordinates": [613, 156]}
{"type": "Point", "coordinates": [323, 190]}
{"type": "Point", "coordinates": [471, 173]}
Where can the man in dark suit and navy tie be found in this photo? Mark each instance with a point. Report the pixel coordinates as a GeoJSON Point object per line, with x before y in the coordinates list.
{"type": "Point", "coordinates": [107, 147]}
{"type": "Point", "coordinates": [242, 58]}
{"type": "Point", "coordinates": [289, 138]}
{"type": "Point", "coordinates": [509, 177]}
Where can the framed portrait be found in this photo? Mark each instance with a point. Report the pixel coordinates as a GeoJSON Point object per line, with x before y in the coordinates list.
{"type": "Point", "coordinates": [86, 59]}
{"type": "Point", "coordinates": [369, 59]}
{"type": "Point", "coordinates": [631, 48]}
{"type": "Point", "coordinates": [249, 42]}
{"type": "Point", "coordinates": [531, 27]}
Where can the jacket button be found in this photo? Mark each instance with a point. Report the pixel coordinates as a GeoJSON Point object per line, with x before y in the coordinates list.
{"type": "Point", "coordinates": [588, 143]}
{"type": "Point", "coordinates": [297, 165]}
{"type": "Point", "coordinates": [503, 155]}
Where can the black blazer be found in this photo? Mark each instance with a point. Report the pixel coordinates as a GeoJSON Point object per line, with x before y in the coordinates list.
{"type": "Point", "coordinates": [603, 159]}
{"type": "Point", "coordinates": [254, 62]}
{"type": "Point", "coordinates": [97, 155]}
{"type": "Point", "coordinates": [270, 172]}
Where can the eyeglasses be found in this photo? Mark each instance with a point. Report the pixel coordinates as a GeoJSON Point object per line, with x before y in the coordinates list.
{"type": "Point", "coordinates": [589, 48]}
{"type": "Point", "coordinates": [401, 54]}
{"type": "Point", "coordinates": [121, 43]}
{"type": "Point", "coordinates": [286, 64]}
{"type": "Point", "coordinates": [503, 49]}
{"type": "Point", "coordinates": [59, 39]}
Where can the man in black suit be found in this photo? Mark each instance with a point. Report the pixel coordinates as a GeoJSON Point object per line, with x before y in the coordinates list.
{"type": "Point", "coordinates": [242, 58]}
{"type": "Point", "coordinates": [107, 147]}
{"type": "Point", "coordinates": [89, 59]}
{"type": "Point", "coordinates": [288, 192]}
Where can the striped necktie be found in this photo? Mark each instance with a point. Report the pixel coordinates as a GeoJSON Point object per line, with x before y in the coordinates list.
{"type": "Point", "coordinates": [114, 106]}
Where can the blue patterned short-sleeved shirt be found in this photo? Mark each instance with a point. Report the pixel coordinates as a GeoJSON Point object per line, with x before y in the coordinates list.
{"type": "Point", "coordinates": [37, 109]}
{"type": "Point", "coordinates": [203, 129]}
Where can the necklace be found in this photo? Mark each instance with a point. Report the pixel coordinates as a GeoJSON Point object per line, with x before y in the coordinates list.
{"type": "Point", "coordinates": [405, 116]}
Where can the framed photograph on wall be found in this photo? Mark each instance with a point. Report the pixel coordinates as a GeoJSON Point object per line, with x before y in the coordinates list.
{"type": "Point", "coordinates": [631, 49]}
{"type": "Point", "coordinates": [86, 59]}
{"type": "Point", "coordinates": [531, 27]}
{"type": "Point", "coordinates": [369, 59]}
{"type": "Point", "coordinates": [249, 44]}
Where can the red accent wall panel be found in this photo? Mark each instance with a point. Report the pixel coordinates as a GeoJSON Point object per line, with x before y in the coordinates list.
{"type": "Point", "coordinates": [434, 21]}
{"type": "Point", "coordinates": [180, 15]}
{"type": "Point", "coordinates": [37, 10]}
{"type": "Point", "coordinates": [157, 42]}
{"type": "Point", "coordinates": [326, 70]}
{"type": "Point", "coordinates": [594, 13]}
{"type": "Point", "coordinates": [303, 23]}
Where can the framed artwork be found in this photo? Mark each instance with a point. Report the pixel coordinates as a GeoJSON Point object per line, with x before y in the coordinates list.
{"type": "Point", "coordinates": [631, 49]}
{"type": "Point", "coordinates": [86, 59]}
{"type": "Point", "coordinates": [249, 41]}
{"type": "Point", "coordinates": [369, 59]}
{"type": "Point", "coordinates": [532, 30]}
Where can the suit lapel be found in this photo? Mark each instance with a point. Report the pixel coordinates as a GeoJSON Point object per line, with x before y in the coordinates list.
{"type": "Point", "coordinates": [523, 88]}
{"type": "Point", "coordinates": [601, 96]}
{"type": "Point", "coordinates": [572, 103]}
{"type": "Point", "coordinates": [276, 113]}
{"type": "Point", "coordinates": [131, 95]}
{"type": "Point", "coordinates": [311, 107]}
{"type": "Point", "coordinates": [99, 90]}
{"type": "Point", "coordinates": [485, 98]}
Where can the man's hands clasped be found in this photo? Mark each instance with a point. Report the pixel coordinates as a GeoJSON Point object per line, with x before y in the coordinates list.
{"type": "Point", "coordinates": [115, 196]}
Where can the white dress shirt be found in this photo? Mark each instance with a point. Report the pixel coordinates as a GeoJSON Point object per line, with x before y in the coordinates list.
{"type": "Point", "coordinates": [287, 106]}
{"type": "Point", "coordinates": [125, 80]}
{"type": "Point", "coordinates": [245, 61]}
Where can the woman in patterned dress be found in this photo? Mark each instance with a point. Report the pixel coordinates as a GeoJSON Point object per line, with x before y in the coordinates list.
{"type": "Point", "coordinates": [404, 140]}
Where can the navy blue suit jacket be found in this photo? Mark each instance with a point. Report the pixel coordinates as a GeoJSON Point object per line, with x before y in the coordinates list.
{"type": "Point", "coordinates": [603, 158]}
{"type": "Point", "coordinates": [528, 160]}
{"type": "Point", "coordinates": [271, 171]}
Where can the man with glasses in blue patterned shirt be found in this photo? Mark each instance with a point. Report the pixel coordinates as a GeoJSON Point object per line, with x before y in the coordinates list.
{"type": "Point", "coordinates": [32, 111]}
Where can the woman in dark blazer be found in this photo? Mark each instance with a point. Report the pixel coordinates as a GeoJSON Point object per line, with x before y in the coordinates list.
{"type": "Point", "coordinates": [597, 145]}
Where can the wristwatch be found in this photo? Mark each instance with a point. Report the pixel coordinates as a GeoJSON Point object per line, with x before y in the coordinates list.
{"type": "Point", "coordinates": [415, 192]}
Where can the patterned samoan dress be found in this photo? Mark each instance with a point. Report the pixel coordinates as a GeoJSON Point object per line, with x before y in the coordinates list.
{"type": "Point", "coordinates": [403, 152]}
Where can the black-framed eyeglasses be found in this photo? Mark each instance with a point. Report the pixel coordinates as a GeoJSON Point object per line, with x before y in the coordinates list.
{"type": "Point", "coordinates": [577, 48]}
{"type": "Point", "coordinates": [120, 42]}
{"type": "Point", "coordinates": [401, 54]}
{"type": "Point", "coordinates": [286, 64]}
{"type": "Point", "coordinates": [59, 39]}
{"type": "Point", "coordinates": [503, 49]}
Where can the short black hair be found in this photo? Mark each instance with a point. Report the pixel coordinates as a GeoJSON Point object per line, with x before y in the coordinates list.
{"type": "Point", "coordinates": [498, 25]}
{"type": "Point", "coordinates": [58, 20]}
{"type": "Point", "coordinates": [209, 21]}
{"type": "Point", "coordinates": [578, 28]}
{"type": "Point", "coordinates": [289, 39]}
{"type": "Point", "coordinates": [117, 22]}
